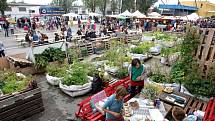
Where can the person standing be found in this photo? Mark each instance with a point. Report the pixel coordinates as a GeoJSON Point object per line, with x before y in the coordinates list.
{"type": "Point", "coordinates": [2, 54]}
{"type": "Point", "coordinates": [136, 74]}
{"type": "Point", "coordinates": [113, 106]}
{"type": "Point", "coordinates": [6, 27]}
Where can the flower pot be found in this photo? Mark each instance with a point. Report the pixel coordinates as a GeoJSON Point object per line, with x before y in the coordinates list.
{"type": "Point", "coordinates": [76, 90]}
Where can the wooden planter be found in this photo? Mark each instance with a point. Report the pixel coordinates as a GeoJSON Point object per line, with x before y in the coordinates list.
{"type": "Point", "coordinates": [17, 107]}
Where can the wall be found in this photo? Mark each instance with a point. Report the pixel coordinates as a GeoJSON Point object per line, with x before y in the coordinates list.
{"type": "Point", "coordinates": [16, 13]}
{"type": "Point", "coordinates": [203, 7]}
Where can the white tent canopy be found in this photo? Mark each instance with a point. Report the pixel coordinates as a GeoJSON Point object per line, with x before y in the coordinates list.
{"type": "Point", "coordinates": [71, 15]}
{"type": "Point", "coordinates": [94, 14]}
{"type": "Point", "coordinates": [192, 17]}
{"type": "Point", "coordinates": [154, 14]}
{"type": "Point", "coordinates": [138, 14]}
{"type": "Point", "coordinates": [126, 13]}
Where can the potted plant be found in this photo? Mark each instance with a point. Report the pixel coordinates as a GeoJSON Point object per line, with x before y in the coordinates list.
{"type": "Point", "coordinates": [151, 91]}
{"type": "Point", "coordinates": [164, 55]}
{"type": "Point", "coordinates": [76, 82]}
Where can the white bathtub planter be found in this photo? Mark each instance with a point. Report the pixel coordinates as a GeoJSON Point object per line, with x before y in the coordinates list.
{"type": "Point", "coordinates": [155, 50]}
{"type": "Point", "coordinates": [142, 57]}
{"type": "Point", "coordinates": [53, 80]}
{"type": "Point", "coordinates": [77, 90]}
{"type": "Point", "coordinates": [110, 69]}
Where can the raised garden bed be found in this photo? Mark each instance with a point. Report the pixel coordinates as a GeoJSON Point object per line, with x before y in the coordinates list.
{"type": "Point", "coordinates": [19, 106]}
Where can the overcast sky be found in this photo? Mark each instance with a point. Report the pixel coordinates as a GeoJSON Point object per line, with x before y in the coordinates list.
{"type": "Point", "coordinates": [45, 2]}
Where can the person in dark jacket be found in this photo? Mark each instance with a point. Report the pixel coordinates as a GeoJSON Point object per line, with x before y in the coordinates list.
{"type": "Point", "coordinates": [6, 27]}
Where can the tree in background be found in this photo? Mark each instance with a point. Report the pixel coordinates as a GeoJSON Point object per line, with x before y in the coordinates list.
{"type": "Point", "coordinates": [114, 5]}
{"type": "Point", "coordinates": [66, 4]}
{"type": "Point", "coordinates": [127, 5]}
{"type": "Point", "coordinates": [102, 5]}
{"type": "Point", "coordinates": [144, 5]}
{"type": "Point", "coordinates": [3, 6]}
{"type": "Point", "coordinates": [92, 4]}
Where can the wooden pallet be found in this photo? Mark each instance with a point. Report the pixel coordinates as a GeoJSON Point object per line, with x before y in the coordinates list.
{"type": "Point", "coordinates": [20, 106]}
{"type": "Point", "coordinates": [195, 104]}
{"type": "Point", "coordinates": [206, 50]}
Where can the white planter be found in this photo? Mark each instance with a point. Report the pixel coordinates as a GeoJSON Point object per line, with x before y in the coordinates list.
{"type": "Point", "coordinates": [141, 57]}
{"type": "Point", "coordinates": [163, 60]}
{"type": "Point", "coordinates": [53, 80]}
{"type": "Point", "coordinates": [111, 69]}
{"type": "Point", "coordinates": [76, 90]}
{"type": "Point", "coordinates": [155, 50]}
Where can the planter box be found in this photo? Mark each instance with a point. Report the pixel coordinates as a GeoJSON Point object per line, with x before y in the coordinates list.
{"type": "Point", "coordinates": [17, 107]}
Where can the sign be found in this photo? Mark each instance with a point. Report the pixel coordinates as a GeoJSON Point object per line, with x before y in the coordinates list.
{"type": "Point", "coordinates": [50, 10]}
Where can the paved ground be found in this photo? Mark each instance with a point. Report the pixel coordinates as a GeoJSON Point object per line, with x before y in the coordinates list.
{"type": "Point", "coordinates": [58, 106]}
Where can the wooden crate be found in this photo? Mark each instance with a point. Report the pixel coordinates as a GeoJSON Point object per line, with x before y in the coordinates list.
{"type": "Point", "coordinates": [17, 107]}
{"type": "Point", "coordinates": [195, 104]}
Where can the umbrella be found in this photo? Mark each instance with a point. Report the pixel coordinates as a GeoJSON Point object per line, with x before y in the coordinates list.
{"type": "Point", "coordinates": [138, 14]}
{"type": "Point", "coordinates": [126, 13]}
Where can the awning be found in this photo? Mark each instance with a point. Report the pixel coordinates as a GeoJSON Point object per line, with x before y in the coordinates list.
{"type": "Point", "coordinates": [180, 7]}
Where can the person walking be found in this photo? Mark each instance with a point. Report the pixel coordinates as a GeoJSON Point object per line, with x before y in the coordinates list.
{"type": "Point", "coordinates": [2, 54]}
{"type": "Point", "coordinates": [6, 27]}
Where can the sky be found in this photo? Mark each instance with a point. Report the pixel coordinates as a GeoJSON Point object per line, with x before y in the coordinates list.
{"type": "Point", "coordinates": [45, 2]}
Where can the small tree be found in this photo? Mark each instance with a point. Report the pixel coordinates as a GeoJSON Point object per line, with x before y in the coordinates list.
{"type": "Point", "coordinates": [3, 6]}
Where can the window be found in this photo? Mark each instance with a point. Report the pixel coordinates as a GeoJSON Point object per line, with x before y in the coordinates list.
{"type": "Point", "coordinates": [22, 9]}
{"type": "Point", "coordinates": [76, 12]}
{"type": "Point", "coordinates": [8, 9]}
{"type": "Point", "coordinates": [31, 11]}
{"type": "Point", "coordinates": [83, 12]}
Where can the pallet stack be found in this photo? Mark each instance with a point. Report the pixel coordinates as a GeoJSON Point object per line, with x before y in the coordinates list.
{"type": "Point", "coordinates": [16, 107]}
{"type": "Point", "coordinates": [206, 50]}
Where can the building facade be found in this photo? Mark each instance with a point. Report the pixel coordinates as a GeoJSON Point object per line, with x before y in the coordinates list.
{"type": "Point", "coordinates": [205, 8]}
{"type": "Point", "coordinates": [20, 9]}
{"type": "Point", "coordinates": [176, 10]}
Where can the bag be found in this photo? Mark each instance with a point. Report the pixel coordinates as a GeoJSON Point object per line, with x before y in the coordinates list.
{"type": "Point", "coordinates": [97, 84]}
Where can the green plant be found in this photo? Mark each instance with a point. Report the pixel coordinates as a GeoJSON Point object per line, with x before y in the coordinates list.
{"type": "Point", "coordinates": [57, 70]}
{"type": "Point", "coordinates": [142, 48]}
{"type": "Point", "coordinates": [122, 73]}
{"type": "Point", "coordinates": [40, 61]}
{"type": "Point", "coordinates": [84, 52]}
{"type": "Point", "coordinates": [76, 76]}
{"type": "Point", "coordinates": [151, 91]}
{"type": "Point", "coordinates": [159, 78]}
{"type": "Point", "coordinates": [11, 83]}
{"type": "Point", "coordinates": [49, 55]}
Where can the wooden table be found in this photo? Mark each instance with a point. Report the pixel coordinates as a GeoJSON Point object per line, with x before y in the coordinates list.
{"type": "Point", "coordinates": [164, 99]}
{"type": "Point", "coordinates": [147, 111]}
